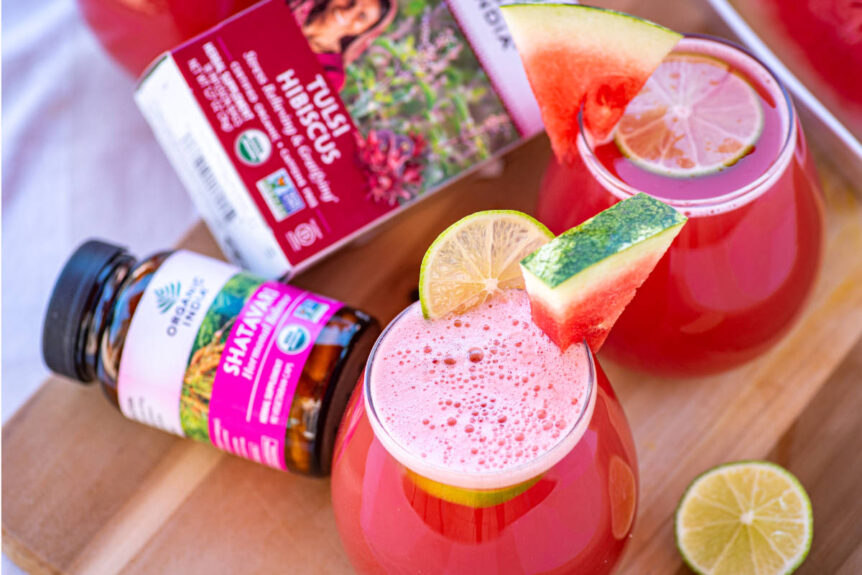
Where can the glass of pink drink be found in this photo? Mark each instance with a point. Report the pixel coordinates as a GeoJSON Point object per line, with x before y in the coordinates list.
{"type": "Point", "coordinates": [738, 274]}
{"type": "Point", "coordinates": [474, 445]}
{"type": "Point", "coordinates": [821, 41]}
{"type": "Point", "coordinates": [136, 32]}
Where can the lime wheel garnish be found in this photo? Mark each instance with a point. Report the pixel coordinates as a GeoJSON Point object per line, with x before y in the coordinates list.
{"type": "Point", "coordinates": [694, 116]}
{"type": "Point", "coordinates": [475, 258]}
{"type": "Point", "coordinates": [470, 497]}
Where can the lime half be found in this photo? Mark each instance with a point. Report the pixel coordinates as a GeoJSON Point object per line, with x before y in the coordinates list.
{"type": "Point", "coordinates": [694, 116]}
{"type": "Point", "coordinates": [475, 258]}
{"type": "Point", "coordinates": [749, 517]}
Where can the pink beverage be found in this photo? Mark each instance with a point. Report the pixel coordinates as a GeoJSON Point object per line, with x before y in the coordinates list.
{"type": "Point", "coordinates": [135, 33]}
{"type": "Point", "coordinates": [445, 404]}
{"type": "Point", "coordinates": [821, 41]}
{"type": "Point", "coordinates": [474, 445]}
{"type": "Point", "coordinates": [737, 276]}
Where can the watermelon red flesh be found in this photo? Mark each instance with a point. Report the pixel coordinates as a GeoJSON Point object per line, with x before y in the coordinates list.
{"type": "Point", "coordinates": [580, 282]}
{"type": "Point", "coordinates": [595, 313]}
{"type": "Point", "coordinates": [580, 55]}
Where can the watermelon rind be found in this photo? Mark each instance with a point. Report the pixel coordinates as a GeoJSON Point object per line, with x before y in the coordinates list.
{"type": "Point", "coordinates": [595, 267]}
{"type": "Point", "coordinates": [578, 57]}
{"type": "Point", "coordinates": [624, 225]}
{"type": "Point", "coordinates": [566, 5]}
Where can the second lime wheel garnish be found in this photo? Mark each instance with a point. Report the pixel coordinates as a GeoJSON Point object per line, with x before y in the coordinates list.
{"type": "Point", "coordinates": [695, 116]}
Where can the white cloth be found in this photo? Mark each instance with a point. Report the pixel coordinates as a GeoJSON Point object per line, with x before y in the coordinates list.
{"type": "Point", "coordinates": [78, 161]}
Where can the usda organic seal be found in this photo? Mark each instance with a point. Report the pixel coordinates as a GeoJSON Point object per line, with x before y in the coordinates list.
{"type": "Point", "coordinates": [293, 339]}
{"type": "Point", "coordinates": [253, 147]}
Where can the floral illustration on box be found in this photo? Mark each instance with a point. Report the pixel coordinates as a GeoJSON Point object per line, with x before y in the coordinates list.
{"type": "Point", "coordinates": [206, 354]}
{"type": "Point", "coordinates": [392, 164]}
{"type": "Point", "coordinates": [413, 87]}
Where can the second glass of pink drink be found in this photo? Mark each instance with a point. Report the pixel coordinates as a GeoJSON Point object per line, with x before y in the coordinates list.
{"type": "Point", "coordinates": [474, 445]}
{"type": "Point", "coordinates": [738, 275]}
{"type": "Point", "coordinates": [136, 32]}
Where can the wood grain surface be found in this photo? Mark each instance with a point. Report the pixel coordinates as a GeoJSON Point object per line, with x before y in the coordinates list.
{"type": "Point", "coordinates": [87, 491]}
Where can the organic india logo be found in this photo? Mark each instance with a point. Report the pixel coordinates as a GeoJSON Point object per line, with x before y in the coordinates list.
{"type": "Point", "coordinates": [167, 296]}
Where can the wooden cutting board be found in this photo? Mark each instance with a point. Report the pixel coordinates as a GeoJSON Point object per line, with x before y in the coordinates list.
{"type": "Point", "coordinates": [87, 491]}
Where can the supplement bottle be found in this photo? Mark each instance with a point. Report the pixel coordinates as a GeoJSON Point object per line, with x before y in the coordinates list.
{"type": "Point", "coordinates": [201, 349]}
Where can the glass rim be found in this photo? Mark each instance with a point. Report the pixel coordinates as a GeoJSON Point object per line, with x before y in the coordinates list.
{"type": "Point", "coordinates": [724, 202]}
{"type": "Point", "coordinates": [478, 480]}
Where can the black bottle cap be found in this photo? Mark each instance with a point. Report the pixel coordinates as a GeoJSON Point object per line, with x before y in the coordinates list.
{"type": "Point", "coordinates": [71, 303]}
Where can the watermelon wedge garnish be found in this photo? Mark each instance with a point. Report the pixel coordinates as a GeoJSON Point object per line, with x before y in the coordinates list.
{"type": "Point", "coordinates": [580, 55]}
{"type": "Point", "coordinates": [580, 282]}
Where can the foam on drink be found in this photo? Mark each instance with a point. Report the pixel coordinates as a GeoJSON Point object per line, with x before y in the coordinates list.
{"type": "Point", "coordinates": [482, 399]}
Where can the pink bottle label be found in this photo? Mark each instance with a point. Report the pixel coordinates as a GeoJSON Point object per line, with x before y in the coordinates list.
{"type": "Point", "coordinates": [216, 354]}
{"type": "Point", "coordinates": [260, 367]}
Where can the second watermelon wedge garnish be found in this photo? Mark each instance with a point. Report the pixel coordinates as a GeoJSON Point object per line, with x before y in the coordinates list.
{"type": "Point", "coordinates": [580, 282]}
{"type": "Point", "coordinates": [580, 55]}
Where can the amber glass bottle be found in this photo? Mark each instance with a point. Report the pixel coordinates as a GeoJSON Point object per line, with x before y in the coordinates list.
{"type": "Point", "coordinates": [199, 348]}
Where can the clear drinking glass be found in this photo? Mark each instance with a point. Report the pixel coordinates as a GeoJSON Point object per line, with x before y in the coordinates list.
{"type": "Point", "coordinates": [737, 276]}
{"type": "Point", "coordinates": [575, 516]}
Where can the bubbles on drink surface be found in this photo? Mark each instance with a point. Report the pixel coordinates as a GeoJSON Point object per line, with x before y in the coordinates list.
{"type": "Point", "coordinates": [480, 392]}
